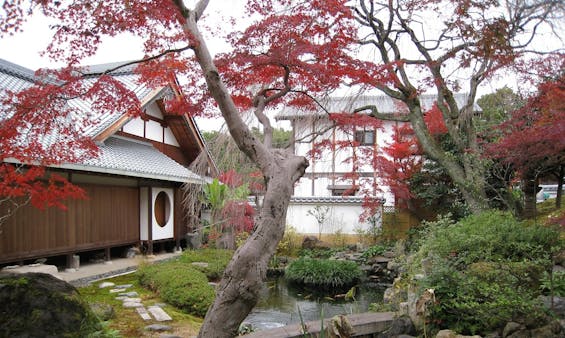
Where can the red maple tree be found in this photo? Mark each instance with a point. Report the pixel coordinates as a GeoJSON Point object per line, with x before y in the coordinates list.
{"type": "Point", "coordinates": [532, 141]}
{"type": "Point", "coordinates": [296, 50]}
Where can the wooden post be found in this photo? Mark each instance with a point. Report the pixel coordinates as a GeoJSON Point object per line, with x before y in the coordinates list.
{"type": "Point", "coordinates": [149, 221]}
{"type": "Point", "coordinates": [107, 255]}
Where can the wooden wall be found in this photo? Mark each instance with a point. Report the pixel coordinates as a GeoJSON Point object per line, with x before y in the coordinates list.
{"type": "Point", "coordinates": [109, 217]}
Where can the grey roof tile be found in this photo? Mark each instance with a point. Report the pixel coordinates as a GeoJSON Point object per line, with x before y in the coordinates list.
{"type": "Point", "coordinates": [326, 199]}
{"type": "Point", "coordinates": [117, 155]}
{"type": "Point", "coordinates": [385, 105]}
{"type": "Point", "coordinates": [138, 159]}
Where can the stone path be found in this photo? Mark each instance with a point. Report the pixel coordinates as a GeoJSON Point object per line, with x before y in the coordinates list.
{"type": "Point", "coordinates": [131, 300]}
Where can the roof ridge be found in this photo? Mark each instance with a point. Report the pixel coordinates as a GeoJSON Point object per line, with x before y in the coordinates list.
{"type": "Point", "coordinates": [17, 70]}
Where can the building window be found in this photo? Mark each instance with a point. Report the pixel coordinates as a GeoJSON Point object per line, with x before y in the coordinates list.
{"type": "Point", "coordinates": [343, 189]}
{"type": "Point", "coordinates": [365, 137]}
{"type": "Point", "coordinates": [162, 209]}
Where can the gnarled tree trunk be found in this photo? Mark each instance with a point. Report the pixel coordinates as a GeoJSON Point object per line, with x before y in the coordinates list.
{"type": "Point", "coordinates": [238, 291]}
{"type": "Point", "coordinates": [239, 288]}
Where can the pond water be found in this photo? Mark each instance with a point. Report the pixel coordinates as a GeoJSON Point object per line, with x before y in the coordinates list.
{"type": "Point", "coordinates": [279, 304]}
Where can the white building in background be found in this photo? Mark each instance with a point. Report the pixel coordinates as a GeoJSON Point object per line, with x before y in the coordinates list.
{"type": "Point", "coordinates": [326, 181]}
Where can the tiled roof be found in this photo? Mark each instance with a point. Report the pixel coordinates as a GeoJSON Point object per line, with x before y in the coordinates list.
{"type": "Point", "coordinates": [117, 155]}
{"type": "Point", "coordinates": [327, 199]}
{"type": "Point", "coordinates": [14, 77]}
{"type": "Point", "coordinates": [385, 105]}
{"type": "Point", "coordinates": [123, 156]}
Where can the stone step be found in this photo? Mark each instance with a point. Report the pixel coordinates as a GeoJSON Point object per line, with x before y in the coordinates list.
{"type": "Point", "coordinates": [159, 314]}
{"type": "Point", "coordinates": [143, 313]}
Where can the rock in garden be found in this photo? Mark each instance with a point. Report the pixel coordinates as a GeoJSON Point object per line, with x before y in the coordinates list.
{"type": "Point", "coordinates": [40, 305]}
{"type": "Point", "coordinates": [312, 242]}
{"type": "Point", "coordinates": [159, 314]}
{"type": "Point", "coordinates": [399, 326]}
{"type": "Point", "coordinates": [158, 327]}
{"type": "Point", "coordinates": [123, 286]}
{"type": "Point", "coordinates": [132, 304]}
{"type": "Point", "coordinates": [511, 327]}
{"type": "Point", "coordinates": [102, 311]}
{"type": "Point", "coordinates": [129, 294]}
{"type": "Point", "coordinates": [104, 285]}
{"type": "Point", "coordinates": [452, 334]}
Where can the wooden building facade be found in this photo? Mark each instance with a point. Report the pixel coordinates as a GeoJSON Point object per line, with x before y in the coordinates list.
{"type": "Point", "coordinates": [133, 188]}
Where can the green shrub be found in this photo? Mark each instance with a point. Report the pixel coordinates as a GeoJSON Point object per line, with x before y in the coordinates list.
{"type": "Point", "coordinates": [553, 283]}
{"type": "Point", "coordinates": [322, 253]}
{"type": "Point", "coordinates": [290, 243]}
{"type": "Point", "coordinates": [323, 273]}
{"type": "Point", "coordinates": [217, 260]}
{"type": "Point", "coordinates": [372, 251]}
{"type": "Point", "coordinates": [490, 236]}
{"type": "Point", "coordinates": [179, 284]}
{"type": "Point", "coordinates": [486, 270]}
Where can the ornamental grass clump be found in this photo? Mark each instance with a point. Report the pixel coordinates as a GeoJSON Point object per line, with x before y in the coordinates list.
{"type": "Point", "coordinates": [323, 273]}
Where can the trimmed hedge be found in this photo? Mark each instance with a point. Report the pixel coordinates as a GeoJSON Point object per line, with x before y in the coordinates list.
{"type": "Point", "coordinates": [323, 273]}
{"type": "Point", "coordinates": [217, 260]}
{"type": "Point", "coordinates": [179, 284]}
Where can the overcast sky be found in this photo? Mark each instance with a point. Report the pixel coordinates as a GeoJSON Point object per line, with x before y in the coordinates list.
{"type": "Point", "coordinates": [24, 48]}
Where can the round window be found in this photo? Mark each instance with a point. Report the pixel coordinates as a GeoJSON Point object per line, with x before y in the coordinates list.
{"type": "Point", "coordinates": [162, 209]}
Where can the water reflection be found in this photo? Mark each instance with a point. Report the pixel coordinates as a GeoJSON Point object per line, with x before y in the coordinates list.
{"type": "Point", "coordinates": [279, 303]}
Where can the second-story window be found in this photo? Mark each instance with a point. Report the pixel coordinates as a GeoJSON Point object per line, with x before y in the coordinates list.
{"type": "Point", "coordinates": [365, 137]}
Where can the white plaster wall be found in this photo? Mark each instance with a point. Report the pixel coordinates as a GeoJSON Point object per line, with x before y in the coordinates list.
{"type": "Point", "coordinates": [170, 138]}
{"type": "Point", "coordinates": [344, 217]}
{"type": "Point", "coordinates": [303, 187]}
{"type": "Point", "coordinates": [135, 126]}
{"type": "Point", "coordinates": [154, 131]}
{"type": "Point", "coordinates": [153, 110]}
{"type": "Point", "coordinates": [166, 231]}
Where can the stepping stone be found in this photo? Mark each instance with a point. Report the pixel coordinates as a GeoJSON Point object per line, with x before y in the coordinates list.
{"type": "Point", "coordinates": [116, 290]}
{"type": "Point", "coordinates": [132, 304]}
{"type": "Point", "coordinates": [105, 285]}
{"type": "Point", "coordinates": [123, 286]}
{"type": "Point", "coordinates": [159, 314]}
{"type": "Point", "coordinates": [143, 313]}
{"type": "Point", "coordinates": [200, 264]}
{"type": "Point", "coordinates": [166, 335]}
{"type": "Point", "coordinates": [129, 294]}
{"type": "Point", "coordinates": [131, 300]}
{"type": "Point", "coordinates": [158, 327]}
{"type": "Point", "coordinates": [122, 298]}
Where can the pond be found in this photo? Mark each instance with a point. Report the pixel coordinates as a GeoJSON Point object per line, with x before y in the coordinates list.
{"type": "Point", "coordinates": [279, 304]}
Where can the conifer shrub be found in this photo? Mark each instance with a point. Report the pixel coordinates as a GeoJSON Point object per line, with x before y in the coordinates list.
{"type": "Point", "coordinates": [486, 270]}
{"type": "Point", "coordinates": [323, 273]}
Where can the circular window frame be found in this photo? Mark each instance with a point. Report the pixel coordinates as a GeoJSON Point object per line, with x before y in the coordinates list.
{"type": "Point", "coordinates": [162, 209]}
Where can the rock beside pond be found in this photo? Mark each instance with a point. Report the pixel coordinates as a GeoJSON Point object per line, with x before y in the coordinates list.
{"type": "Point", "coordinates": [312, 242]}
{"type": "Point", "coordinates": [40, 305]}
{"type": "Point", "coordinates": [401, 326]}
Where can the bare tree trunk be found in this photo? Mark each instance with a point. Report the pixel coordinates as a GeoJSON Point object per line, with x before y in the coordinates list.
{"type": "Point", "coordinates": [238, 291]}
{"type": "Point", "coordinates": [558, 198]}
{"type": "Point", "coordinates": [529, 184]}
{"type": "Point", "coordinates": [243, 278]}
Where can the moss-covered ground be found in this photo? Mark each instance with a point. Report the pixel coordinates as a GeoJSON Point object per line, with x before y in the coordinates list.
{"type": "Point", "coordinates": [127, 322]}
